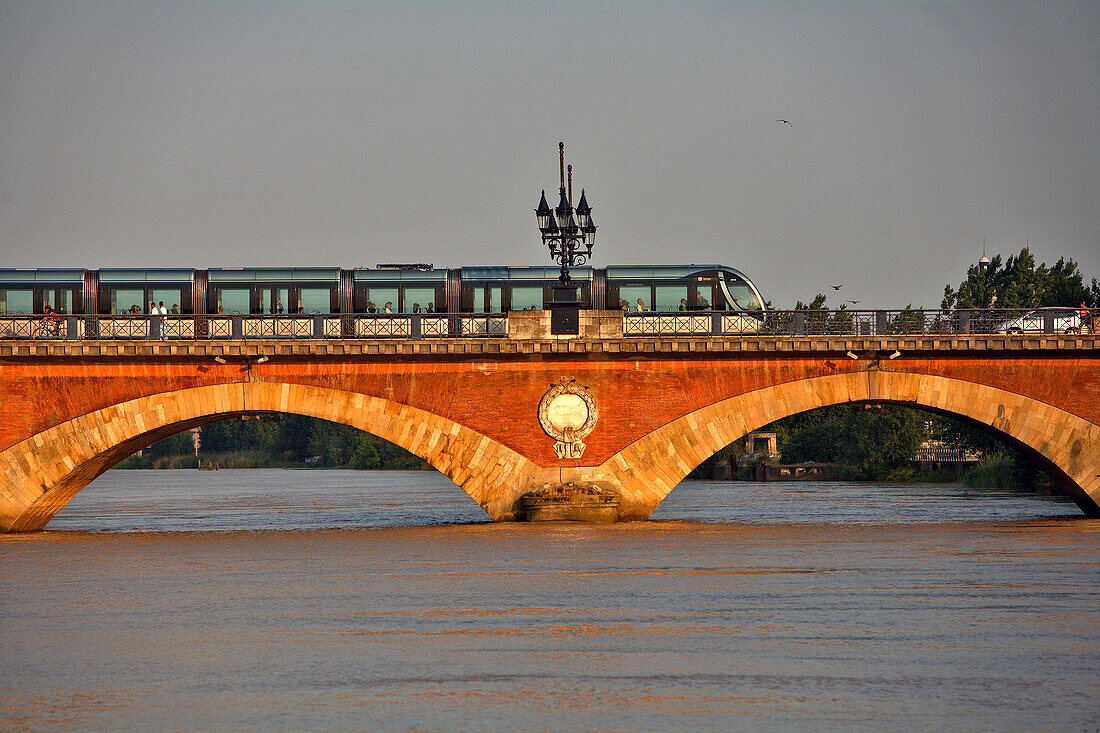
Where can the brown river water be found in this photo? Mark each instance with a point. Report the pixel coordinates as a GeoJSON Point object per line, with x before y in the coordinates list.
{"type": "Point", "coordinates": [290, 600]}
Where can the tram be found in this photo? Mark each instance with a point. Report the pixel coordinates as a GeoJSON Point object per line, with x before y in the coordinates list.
{"type": "Point", "coordinates": [397, 289]}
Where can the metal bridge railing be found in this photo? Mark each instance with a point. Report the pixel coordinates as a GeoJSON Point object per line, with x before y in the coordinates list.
{"type": "Point", "coordinates": [258, 327]}
{"type": "Point", "coordinates": [905, 322]}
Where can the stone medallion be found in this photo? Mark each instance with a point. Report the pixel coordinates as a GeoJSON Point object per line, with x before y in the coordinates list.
{"type": "Point", "coordinates": [568, 413]}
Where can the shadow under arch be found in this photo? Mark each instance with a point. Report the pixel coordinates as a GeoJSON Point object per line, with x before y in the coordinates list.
{"type": "Point", "coordinates": [1065, 444]}
{"type": "Point", "coordinates": [48, 469]}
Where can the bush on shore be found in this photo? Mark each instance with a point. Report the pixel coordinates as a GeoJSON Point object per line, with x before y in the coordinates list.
{"type": "Point", "coordinates": [1006, 470]}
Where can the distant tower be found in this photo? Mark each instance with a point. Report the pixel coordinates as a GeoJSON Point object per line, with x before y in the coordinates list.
{"type": "Point", "coordinates": [983, 263]}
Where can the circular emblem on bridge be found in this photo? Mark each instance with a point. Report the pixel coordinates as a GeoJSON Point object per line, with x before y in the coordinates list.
{"type": "Point", "coordinates": [568, 413]}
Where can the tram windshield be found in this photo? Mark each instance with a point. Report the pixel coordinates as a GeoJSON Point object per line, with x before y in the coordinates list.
{"type": "Point", "coordinates": [738, 294]}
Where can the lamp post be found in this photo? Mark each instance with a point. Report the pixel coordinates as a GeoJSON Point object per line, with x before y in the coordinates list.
{"type": "Point", "coordinates": [569, 235]}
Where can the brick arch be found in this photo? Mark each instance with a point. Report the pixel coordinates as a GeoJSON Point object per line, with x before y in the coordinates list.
{"type": "Point", "coordinates": [48, 469]}
{"type": "Point", "coordinates": [650, 467]}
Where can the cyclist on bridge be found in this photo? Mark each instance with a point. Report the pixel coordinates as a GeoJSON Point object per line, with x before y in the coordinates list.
{"type": "Point", "coordinates": [52, 320]}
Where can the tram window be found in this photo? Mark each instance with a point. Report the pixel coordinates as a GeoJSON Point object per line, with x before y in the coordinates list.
{"type": "Point", "coordinates": [123, 300]}
{"type": "Point", "coordinates": [479, 299]}
{"type": "Point", "coordinates": [526, 297]}
{"type": "Point", "coordinates": [671, 297]}
{"type": "Point", "coordinates": [703, 293]}
{"type": "Point", "coordinates": [66, 300]}
{"type": "Point", "coordinates": [280, 297]}
{"type": "Point", "coordinates": [274, 300]}
{"type": "Point", "coordinates": [378, 297]}
{"type": "Point", "coordinates": [169, 296]}
{"type": "Point", "coordinates": [315, 300]}
{"type": "Point", "coordinates": [418, 300]}
{"type": "Point", "coordinates": [60, 298]}
{"type": "Point", "coordinates": [633, 293]}
{"type": "Point", "coordinates": [233, 300]}
{"type": "Point", "coordinates": [495, 303]}
{"type": "Point", "coordinates": [16, 300]}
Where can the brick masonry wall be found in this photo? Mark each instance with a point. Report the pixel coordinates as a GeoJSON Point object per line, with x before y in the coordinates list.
{"type": "Point", "coordinates": [500, 398]}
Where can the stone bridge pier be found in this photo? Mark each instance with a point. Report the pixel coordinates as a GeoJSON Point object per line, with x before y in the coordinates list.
{"type": "Point", "coordinates": [503, 418]}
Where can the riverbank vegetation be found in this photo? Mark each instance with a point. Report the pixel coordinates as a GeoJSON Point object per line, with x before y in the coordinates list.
{"type": "Point", "coordinates": [290, 441]}
{"type": "Point", "coordinates": [878, 443]}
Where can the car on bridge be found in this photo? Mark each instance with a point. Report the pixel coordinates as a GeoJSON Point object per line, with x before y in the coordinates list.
{"type": "Point", "coordinates": [1062, 320]}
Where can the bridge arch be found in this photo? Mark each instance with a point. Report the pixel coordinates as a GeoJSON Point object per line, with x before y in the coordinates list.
{"type": "Point", "coordinates": [48, 469]}
{"type": "Point", "coordinates": [650, 467]}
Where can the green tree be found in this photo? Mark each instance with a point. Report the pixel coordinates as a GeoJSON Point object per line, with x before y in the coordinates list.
{"type": "Point", "coordinates": [978, 289]}
{"type": "Point", "coordinates": [963, 435]}
{"type": "Point", "coordinates": [814, 322]}
{"type": "Point", "coordinates": [366, 454]}
{"type": "Point", "coordinates": [292, 437]}
{"type": "Point", "coordinates": [1065, 286]}
{"type": "Point", "coordinates": [235, 435]}
{"type": "Point", "coordinates": [1024, 284]}
{"type": "Point", "coordinates": [1020, 283]}
{"type": "Point", "coordinates": [334, 442]}
{"type": "Point", "coordinates": [817, 304]}
{"type": "Point", "coordinates": [180, 444]}
{"type": "Point", "coordinates": [870, 441]}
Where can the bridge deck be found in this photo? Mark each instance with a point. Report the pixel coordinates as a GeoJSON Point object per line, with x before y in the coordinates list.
{"type": "Point", "coordinates": [861, 346]}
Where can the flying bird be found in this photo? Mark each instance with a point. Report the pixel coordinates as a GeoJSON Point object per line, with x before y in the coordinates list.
{"type": "Point", "coordinates": [785, 122]}
{"type": "Point", "coordinates": [853, 302]}
{"type": "Point", "coordinates": [838, 287]}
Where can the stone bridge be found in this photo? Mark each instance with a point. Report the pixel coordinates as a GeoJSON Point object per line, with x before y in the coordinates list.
{"type": "Point", "coordinates": [634, 415]}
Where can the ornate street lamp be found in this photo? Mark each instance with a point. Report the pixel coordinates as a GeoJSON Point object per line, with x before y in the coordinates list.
{"type": "Point", "coordinates": [569, 235]}
{"type": "Point", "coordinates": [567, 232]}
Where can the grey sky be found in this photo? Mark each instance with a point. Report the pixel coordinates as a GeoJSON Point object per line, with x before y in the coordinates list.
{"type": "Point", "coordinates": [219, 134]}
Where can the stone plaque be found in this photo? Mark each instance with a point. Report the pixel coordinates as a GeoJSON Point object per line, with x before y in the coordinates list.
{"type": "Point", "coordinates": [568, 413]}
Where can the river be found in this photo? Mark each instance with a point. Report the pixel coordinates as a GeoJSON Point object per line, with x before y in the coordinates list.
{"type": "Point", "coordinates": [292, 600]}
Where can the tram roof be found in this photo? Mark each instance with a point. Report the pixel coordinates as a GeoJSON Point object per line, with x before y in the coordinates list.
{"type": "Point", "coordinates": [644, 272]}
{"type": "Point", "coordinates": [273, 274]}
{"type": "Point", "coordinates": [523, 273]}
{"type": "Point", "coordinates": [365, 275]}
{"type": "Point", "coordinates": [49, 274]}
{"type": "Point", "coordinates": [136, 275]}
